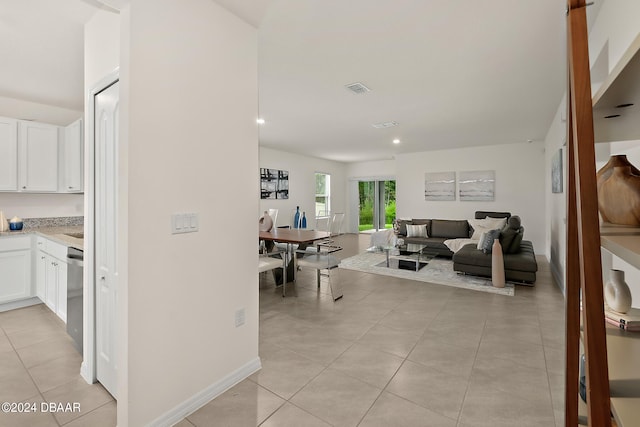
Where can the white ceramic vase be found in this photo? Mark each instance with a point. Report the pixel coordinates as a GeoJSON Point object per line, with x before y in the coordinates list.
{"type": "Point", "coordinates": [497, 265]}
{"type": "Point", "coordinates": [4, 224]}
{"type": "Point", "coordinates": [617, 292]}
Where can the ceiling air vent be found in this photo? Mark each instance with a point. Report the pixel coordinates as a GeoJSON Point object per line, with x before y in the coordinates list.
{"type": "Point", "coordinates": [357, 88]}
{"type": "Point", "coordinates": [385, 125]}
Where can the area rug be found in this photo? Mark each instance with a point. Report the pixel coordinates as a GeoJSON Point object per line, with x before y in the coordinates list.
{"type": "Point", "coordinates": [439, 271]}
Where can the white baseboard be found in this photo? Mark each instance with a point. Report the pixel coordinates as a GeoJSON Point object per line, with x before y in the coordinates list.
{"type": "Point", "coordinates": [19, 304]}
{"type": "Point", "coordinates": [200, 399]}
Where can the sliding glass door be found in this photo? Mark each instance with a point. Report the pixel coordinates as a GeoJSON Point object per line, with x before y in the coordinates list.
{"type": "Point", "coordinates": [377, 205]}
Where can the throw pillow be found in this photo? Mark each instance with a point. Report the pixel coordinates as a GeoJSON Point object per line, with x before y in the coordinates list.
{"type": "Point", "coordinates": [401, 226]}
{"type": "Point", "coordinates": [484, 225]}
{"type": "Point", "coordinates": [483, 237]}
{"type": "Point", "coordinates": [488, 241]}
{"type": "Point", "coordinates": [416, 230]}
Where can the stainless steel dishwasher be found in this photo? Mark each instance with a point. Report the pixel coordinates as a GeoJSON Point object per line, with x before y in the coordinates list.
{"type": "Point", "coordinates": [74, 295]}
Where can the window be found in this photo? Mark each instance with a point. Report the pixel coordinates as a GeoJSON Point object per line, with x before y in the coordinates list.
{"type": "Point", "coordinates": [323, 193]}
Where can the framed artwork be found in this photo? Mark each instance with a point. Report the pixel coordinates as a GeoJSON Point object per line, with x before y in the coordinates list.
{"type": "Point", "coordinates": [477, 185]}
{"type": "Point", "coordinates": [439, 186]}
{"type": "Point", "coordinates": [274, 184]}
{"type": "Point", "coordinates": [556, 172]}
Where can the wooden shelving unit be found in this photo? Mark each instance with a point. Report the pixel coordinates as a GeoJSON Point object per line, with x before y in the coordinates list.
{"type": "Point", "coordinates": [613, 355]}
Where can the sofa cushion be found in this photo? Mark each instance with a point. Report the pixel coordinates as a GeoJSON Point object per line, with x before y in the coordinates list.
{"type": "Point", "coordinates": [514, 247]}
{"type": "Point", "coordinates": [514, 222]}
{"type": "Point", "coordinates": [451, 229]}
{"type": "Point", "coordinates": [491, 214]}
{"type": "Point", "coordinates": [417, 230]}
{"type": "Point", "coordinates": [506, 238]}
{"type": "Point", "coordinates": [524, 260]}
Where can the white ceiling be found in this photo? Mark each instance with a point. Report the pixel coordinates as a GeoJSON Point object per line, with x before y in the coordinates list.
{"type": "Point", "coordinates": [452, 73]}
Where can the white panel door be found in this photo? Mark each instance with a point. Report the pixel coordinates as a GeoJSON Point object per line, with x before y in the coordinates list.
{"type": "Point", "coordinates": [106, 207]}
{"type": "Point", "coordinates": [38, 156]}
{"type": "Point", "coordinates": [8, 154]}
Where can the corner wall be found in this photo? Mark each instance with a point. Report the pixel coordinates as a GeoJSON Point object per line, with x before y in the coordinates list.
{"type": "Point", "coordinates": [192, 146]}
{"type": "Point", "coordinates": [519, 188]}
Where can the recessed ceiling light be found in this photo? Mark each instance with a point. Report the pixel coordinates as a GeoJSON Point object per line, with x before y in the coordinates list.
{"type": "Point", "coordinates": [396, 141]}
{"type": "Point", "coordinates": [357, 88]}
{"type": "Point", "coordinates": [385, 125]}
{"type": "Point", "coordinates": [260, 121]}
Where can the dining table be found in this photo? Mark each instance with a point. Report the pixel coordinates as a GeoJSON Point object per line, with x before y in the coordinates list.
{"type": "Point", "coordinates": [293, 236]}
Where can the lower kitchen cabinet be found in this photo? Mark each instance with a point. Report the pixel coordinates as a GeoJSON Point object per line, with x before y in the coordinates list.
{"type": "Point", "coordinates": [15, 268]}
{"type": "Point", "coordinates": [51, 280]}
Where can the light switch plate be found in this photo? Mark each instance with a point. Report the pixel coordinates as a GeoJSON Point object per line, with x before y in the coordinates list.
{"type": "Point", "coordinates": [184, 223]}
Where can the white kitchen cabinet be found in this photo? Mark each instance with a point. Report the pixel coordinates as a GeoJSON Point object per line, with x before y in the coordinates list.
{"type": "Point", "coordinates": [15, 268]}
{"type": "Point", "coordinates": [41, 280]}
{"type": "Point", "coordinates": [73, 158]}
{"type": "Point", "coordinates": [8, 154]}
{"type": "Point", "coordinates": [51, 280]}
{"type": "Point", "coordinates": [37, 157]}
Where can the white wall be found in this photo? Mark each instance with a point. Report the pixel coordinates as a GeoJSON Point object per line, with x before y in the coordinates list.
{"type": "Point", "coordinates": [519, 189]}
{"type": "Point", "coordinates": [302, 184]}
{"type": "Point", "coordinates": [192, 146]}
{"type": "Point", "coordinates": [27, 205]}
{"type": "Point", "coordinates": [555, 236]}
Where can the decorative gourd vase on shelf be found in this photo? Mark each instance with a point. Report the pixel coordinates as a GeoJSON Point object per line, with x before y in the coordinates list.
{"type": "Point", "coordinates": [304, 220]}
{"type": "Point", "coordinates": [497, 265]}
{"type": "Point", "coordinates": [617, 292]}
{"type": "Point", "coordinates": [296, 218]}
{"type": "Point", "coordinates": [618, 185]}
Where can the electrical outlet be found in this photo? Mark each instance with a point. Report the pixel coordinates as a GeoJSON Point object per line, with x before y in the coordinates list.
{"type": "Point", "coordinates": [240, 317]}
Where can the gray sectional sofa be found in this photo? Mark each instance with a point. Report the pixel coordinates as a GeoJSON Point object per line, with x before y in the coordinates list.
{"type": "Point", "coordinates": [519, 257]}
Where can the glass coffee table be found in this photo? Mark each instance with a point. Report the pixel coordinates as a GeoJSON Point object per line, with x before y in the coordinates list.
{"type": "Point", "coordinates": [411, 256]}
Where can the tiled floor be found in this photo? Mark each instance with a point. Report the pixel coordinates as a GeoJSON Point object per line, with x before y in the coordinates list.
{"type": "Point", "coordinates": [38, 363]}
{"type": "Point", "coordinates": [392, 352]}
{"type": "Point", "coordinates": [395, 352]}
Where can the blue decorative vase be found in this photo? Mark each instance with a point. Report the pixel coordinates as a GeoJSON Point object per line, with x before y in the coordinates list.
{"type": "Point", "coordinates": [304, 220]}
{"type": "Point", "coordinates": [296, 218]}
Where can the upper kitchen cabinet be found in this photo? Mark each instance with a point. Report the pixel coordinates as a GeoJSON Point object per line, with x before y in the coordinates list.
{"type": "Point", "coordinates": [38, 157]}
{"type": "Point", "coordinates": [72, 158]}
{"type": "Point", "coordinates": [8, 154]}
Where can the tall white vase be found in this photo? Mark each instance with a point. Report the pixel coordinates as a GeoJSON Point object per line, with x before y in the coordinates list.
{"type": "Point", "coordinates": [617, 292]}
{"type": "Point", "coordinates": [4, 225]}
{"type": "Point", "coordinates": [497, 265]}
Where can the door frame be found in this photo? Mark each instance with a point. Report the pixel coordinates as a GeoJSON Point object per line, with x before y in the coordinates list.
{"type": "Point", "coordinates": [88, 368]}
{"type": "Point", "coordinates": [354, 197]}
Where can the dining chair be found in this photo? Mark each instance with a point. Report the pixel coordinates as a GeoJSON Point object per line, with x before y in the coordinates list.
{"type": "Point", "coordinates": [273, 213]}
{"type": "Point", "coordinates": [337, 220]}
{"type": "Point", "coordinates": [322, 260]}
{"type": "Point", "coordinates": [271, 260]}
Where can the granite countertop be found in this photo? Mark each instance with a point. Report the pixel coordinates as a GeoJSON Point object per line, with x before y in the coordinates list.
{"type": "Point", "coordinates": [56, 233]}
